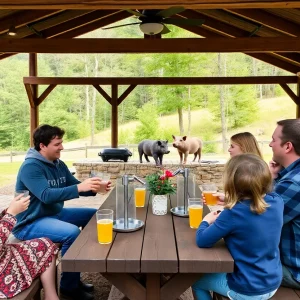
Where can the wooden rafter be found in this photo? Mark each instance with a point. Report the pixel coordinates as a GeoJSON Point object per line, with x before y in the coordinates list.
{"type": "Point", "coordinates": [292, 95]}
{"type": "Point", "coordinates": [96, 81]}
{"type": "Point", "coordinates": [126, 93]}
{"type": "Point", "coordinates": [103, 93]}
{"type": "Point", "coordinates": [125, 4]}
{"type": "Point", "coordinates": [45, 94]}
{"type": "Point", "coordinates": [185, 45]}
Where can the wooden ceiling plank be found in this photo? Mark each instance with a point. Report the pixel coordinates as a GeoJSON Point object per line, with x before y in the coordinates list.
{"type": "Point", "coordinates": [102, 92]}
{"type": "Point", "coordinates": [292, 95]}
{"type": "Point", "coordinates": [44, 24]}
{"type": "Point", "coordinates": [97, 81]}
{"type": "Point", "coordinates": [172, 45]}
{"type": "Point", "coordinates": [126, 93]}
{"type": "Point", "coordinates": [125, 4]}
{"type": "Point", "coordinates": [45, 94]}
{"type": "Point", "coordinates": [22, 18]}
{"type": "Point", "coordinates": [284, 26]}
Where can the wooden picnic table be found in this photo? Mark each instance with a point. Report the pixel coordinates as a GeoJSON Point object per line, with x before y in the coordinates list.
{"type": "Point", "coordinates": [160, 261]}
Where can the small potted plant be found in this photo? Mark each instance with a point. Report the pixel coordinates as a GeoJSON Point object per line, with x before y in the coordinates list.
{"type": "Point", "coordinates": [160, 187]}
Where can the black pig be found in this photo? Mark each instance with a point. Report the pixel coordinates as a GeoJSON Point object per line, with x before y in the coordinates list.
{"type": "Point", "coordinates": [156, 149]}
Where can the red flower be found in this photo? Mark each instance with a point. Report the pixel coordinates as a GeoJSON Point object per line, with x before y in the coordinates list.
{"type": "Point", "coordinates": [162, 177]}
{"type": "Point", "coordinates": [168, 174]}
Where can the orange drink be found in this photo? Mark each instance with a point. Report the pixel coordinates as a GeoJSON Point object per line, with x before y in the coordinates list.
{"type": "Point", "coordinates": [140, 196]}
{"type": "Point", "coordinates": [105, 230]}
{"type": "Point", "coordinates": [104, 225]}
{"type": "Point", "coordinates": [195, 212]}
{"type": "Point", "coordinates": [210, 198]}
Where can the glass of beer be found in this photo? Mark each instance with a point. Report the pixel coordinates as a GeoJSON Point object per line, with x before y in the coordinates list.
{"type": "Point", "coordinates": [25, 193]}
{"type": "Point", "coordinates": [140, 195]}
{"type": "Point", "coordinates": [195, 207]}
{"type": "Point", "coordinates": [208, 191]}
{"type": "Point", "coordinates": [105, 225]}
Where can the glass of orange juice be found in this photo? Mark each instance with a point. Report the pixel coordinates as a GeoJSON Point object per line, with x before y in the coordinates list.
{"type": "Point", "coordinates": [140, 195]}
{"type": "Point", "coordinates": [208, 191]}
{"type": "Point", "coordinates": [105, 225]}
{"type": "Point", "coordinates": [195, 207]}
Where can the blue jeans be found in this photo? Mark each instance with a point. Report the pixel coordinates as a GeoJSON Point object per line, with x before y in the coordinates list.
{"type": "Point", "coordinates": [217, 282]}
{"type": "Point", "coordinates": [288, 279]}
{"type": "Point", "coordinates": [62, 228]}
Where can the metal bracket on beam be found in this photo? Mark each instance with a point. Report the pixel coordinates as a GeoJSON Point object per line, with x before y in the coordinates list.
{"type": "Point", "coordinates": [258, 27]}
{"type": "Point", "coordinates": [38, 33]}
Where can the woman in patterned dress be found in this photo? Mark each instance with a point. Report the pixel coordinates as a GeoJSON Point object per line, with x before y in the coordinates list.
{"type": "Point", "coordinates": [21, 263]}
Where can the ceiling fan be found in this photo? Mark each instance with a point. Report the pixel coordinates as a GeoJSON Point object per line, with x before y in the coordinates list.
{"type": "Point", "coordinates": [152, 21]}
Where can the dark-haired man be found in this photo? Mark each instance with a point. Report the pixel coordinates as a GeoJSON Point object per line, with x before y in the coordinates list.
{"type": "Point", "coordinates": [50, 183]}
{"type": "Point", "coordinates": [285, 168]}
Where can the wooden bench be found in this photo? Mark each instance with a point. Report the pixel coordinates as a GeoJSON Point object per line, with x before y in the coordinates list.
{"type": "Point", "coordinates": [34, 291]}
{"type": "Point", "coordinates": [283, 293]}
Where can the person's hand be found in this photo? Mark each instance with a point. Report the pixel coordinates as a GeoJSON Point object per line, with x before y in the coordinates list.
{"type": "Point", "coordinates": [18, 205]}
{"type": "Point", "coordinates": [275, 168]}
{"type": "Point", "coordinates": [211, 217]}
{"type": "Point", "coordinates": [105, 186]}
{"type": "Point", "coordinates": [221, 197]}
{"type": "Point", "coordinates": [90, 184]}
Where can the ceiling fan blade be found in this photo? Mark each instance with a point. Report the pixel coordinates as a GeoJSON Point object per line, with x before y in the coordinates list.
{"type": "Point", "coordinates": [165, 30]}
{"type": "Point", "coordinates": [136, 13]}
{"type": "Point", "coordinates": [170, 11]}
{"type": "Point", "coordinates": [120, 25]}
{"type": "Point", "coordinates": [181, 21]}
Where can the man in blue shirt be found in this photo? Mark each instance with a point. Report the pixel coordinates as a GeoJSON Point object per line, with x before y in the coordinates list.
{"type": "Point", "coordinates": [285, 169]}
{"type": "Point", "coordinates": [50, 183]}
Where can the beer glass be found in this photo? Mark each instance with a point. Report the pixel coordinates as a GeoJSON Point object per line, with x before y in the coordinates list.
{"type": "Point", "coordinates": [208, 189]}
{"type": "Point", "coordinates": [195, 207]}
{"type": "Point", "coordinates": [105, 225]}
{"type": "Point", "coordinates": [140, 195]}
{"type": "Point", "coordinates": [25, 193]}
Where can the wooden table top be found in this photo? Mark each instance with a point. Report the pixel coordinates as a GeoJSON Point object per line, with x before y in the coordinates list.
{"type": "Point", "coordinates": [166, 244]}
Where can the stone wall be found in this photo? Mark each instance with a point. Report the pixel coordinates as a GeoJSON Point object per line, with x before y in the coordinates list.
{"type": "Point", "coordinates": [204, 172]}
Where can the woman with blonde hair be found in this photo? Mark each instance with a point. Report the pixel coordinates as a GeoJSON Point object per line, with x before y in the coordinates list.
{"type": "Point", "coordinates": [243, 142]}
{"type": "Point", "coordinates": [251, 225]}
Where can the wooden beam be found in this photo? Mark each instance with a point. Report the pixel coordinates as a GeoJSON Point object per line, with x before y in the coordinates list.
{"type": "Point", "coordinates": [298, 94]}
{"type": "Point", "coordinates": [45, 94]}
{"type": "Point", "coordinates": [185, 45]}
{"type": "Point", "coordinates": [125, 4]}
{"type": "Point", "coordinates": [103, 93]}
{"type": "Point", "coordinates": [96, 81]}
{"type": "Point", "coordinates": [283, 25]}
{"type": "Point", "coordinates": [288, 90]}
{"type": "Point", "coordinates": [114, 116]}
{"type": "Point", "coordinates": [22, 18]}
{"type": "Point", "coordinates": [126, 93]}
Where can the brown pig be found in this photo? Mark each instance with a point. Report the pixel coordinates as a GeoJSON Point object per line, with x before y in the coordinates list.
{"type": "Point", "coordinates": [187, 145]}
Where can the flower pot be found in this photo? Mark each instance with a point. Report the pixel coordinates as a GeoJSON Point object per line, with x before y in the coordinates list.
{"type": "Point", "coordinates": [159, 204]}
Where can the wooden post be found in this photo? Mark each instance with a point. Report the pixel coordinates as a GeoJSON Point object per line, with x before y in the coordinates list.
{"type": "Point", "coordinates": [298, 94]}
{"type": "Point", "coordinates": [34, 110]}
{"type": "Point", "coordinates": [114, 116]}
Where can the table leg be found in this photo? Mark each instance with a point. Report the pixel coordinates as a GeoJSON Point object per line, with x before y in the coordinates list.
{"type": "Point", "coordinates": [153, 287]}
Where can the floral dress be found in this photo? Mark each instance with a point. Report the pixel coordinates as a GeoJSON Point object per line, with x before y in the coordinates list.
{"type": "Point", "coordinates": [21, 263]}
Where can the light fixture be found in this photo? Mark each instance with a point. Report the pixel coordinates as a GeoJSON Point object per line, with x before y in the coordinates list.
{"type": "Point", "coordinates": [151, 28]}
{"type": "Point", "coordinates": [12, 31]}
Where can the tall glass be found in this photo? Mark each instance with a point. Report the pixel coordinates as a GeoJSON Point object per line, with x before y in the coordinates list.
{"type": "Point", "coordinates": [25, 193]}
{"type": "Point", "coordinates": [208, 191]}
{"type": "Point", "coordinates": [105, 225]}
{"type": "Point", "coordinates": [195, 212]}
{"type": "Point", "coordinates": [140, 195]}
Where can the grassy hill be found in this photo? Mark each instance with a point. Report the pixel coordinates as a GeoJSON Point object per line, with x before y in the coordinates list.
{"type": "Point", "coordinates": [270, 111]}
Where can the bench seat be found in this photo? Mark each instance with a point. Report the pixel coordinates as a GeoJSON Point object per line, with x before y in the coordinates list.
{"type": "Point", "coordinates": [283, 293]}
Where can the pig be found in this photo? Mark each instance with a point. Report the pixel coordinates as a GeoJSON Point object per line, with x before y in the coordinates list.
{"type": "Point", "coordinates": [187, 145]}
{"type": "Point", "coordinates": [156, 149]}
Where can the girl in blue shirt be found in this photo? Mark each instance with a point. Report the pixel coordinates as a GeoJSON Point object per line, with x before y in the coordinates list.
{"type": "Point", "coordinates": [250, 225]}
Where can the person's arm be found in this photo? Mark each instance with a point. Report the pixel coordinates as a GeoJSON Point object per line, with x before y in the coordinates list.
{"type": "Point", "coordinates": [290, 193]}
{"type": "Point", "coordinates": [33, 177]}
{"type": "Point", "coordinates": [207, 235]}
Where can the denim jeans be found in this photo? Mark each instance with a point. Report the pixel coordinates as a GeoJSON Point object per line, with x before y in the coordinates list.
{"type": "Point", "coordinates": [62, 228]}
{"type": "Point", "coordinates": [217, 282]}
{"type": "Point", "coordinates": [288, 280]}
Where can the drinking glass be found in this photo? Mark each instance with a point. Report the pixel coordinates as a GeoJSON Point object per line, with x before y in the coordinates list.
{"type": "Point", "coordinates": [208, 191]}
{"type": "Point", "coordinates": [195, 207]}
{"type": "Point", "coordinates": [95, 173]}
{"type": "Point", "coordinates": [20, 192]}
{"type": "Point", "coordinates": [105, 225]}
{"type": "Point", "coordinates": [140, 195]}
